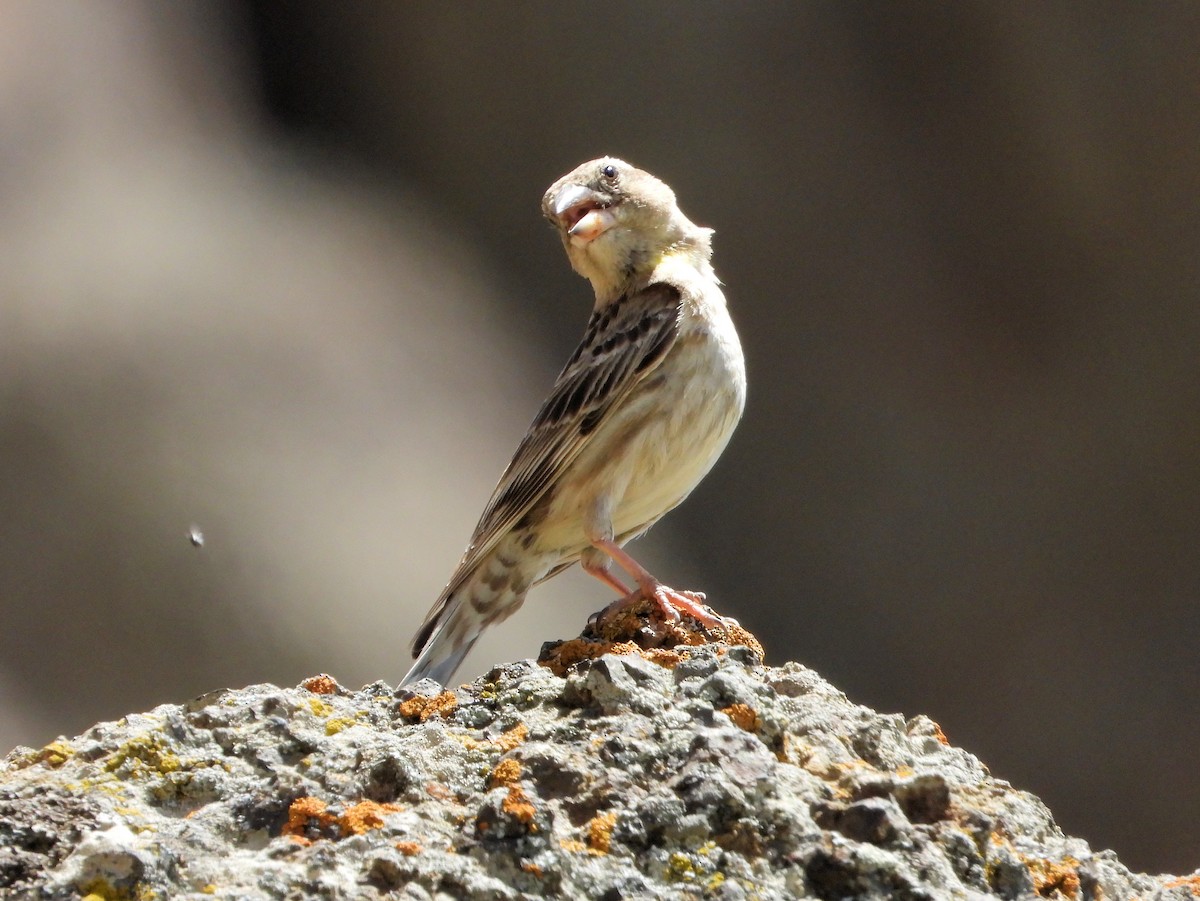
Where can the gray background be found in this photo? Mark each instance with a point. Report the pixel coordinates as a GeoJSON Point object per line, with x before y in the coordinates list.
{"type": "Point", "coordinates": [277, 270]}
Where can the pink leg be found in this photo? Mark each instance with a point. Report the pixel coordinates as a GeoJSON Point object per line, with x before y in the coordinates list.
{"type": "Point", "coordinates": [600, 571]}
{"type": "Point", "coordinates": [671, 602]}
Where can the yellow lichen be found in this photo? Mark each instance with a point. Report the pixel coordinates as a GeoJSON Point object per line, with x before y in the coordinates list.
{"type": "Point", "coordinates": [145, 753]}
{"type": "Point", "coordinates": [680, 868]}
{"type": "Point", "coordinates": [334, 726]}
{"type": "Point", "coordinates": [103, 890]}
{"type": "Point", "coordinates": [319, 707]}
{"type": "Point", "coordinates": [55, 754]}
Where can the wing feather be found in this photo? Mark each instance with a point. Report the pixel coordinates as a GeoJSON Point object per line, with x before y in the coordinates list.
{"type": "Point", "coordinates": [623, 343]}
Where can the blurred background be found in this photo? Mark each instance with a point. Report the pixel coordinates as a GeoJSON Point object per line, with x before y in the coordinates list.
{"type": "Point", "coordinates": [276, 272]}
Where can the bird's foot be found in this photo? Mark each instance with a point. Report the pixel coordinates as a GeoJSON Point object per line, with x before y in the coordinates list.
{"type": "Point", "coordinates": [670, 603]}
{"type": "Point", "coordinates": [673, 602]}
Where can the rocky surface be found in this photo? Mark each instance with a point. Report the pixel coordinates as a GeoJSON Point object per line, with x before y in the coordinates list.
{"type": "Point", "coordinates": [698, 773]}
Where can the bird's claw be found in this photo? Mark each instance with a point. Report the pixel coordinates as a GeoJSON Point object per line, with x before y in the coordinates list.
{"type": "Point", "coordinates": [669, 611]}
{"type": "Point", "coordinates": [674, 602]}
{"type": "Point", "coordinates": [671, 604]}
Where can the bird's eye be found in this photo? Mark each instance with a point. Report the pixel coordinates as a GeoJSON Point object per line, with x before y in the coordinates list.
{"type": "Point", "coordinates": [609, 171]}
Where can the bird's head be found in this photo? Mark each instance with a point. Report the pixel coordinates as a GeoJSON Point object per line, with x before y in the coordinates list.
{"type": "Point", "coordinates": [618, 223]}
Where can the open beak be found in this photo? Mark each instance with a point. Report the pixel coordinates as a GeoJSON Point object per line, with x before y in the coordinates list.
{"type": "Point", "coordinates": [584, 213]}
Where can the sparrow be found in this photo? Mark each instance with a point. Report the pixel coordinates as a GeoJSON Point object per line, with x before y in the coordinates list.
{"type": "Point", "coordinates": [637, 417]}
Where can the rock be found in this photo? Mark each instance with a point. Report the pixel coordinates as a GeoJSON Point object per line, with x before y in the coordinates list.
{"type": "Point", "coordinates": [711, 776]}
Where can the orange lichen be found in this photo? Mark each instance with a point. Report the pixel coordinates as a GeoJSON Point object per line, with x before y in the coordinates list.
{"type": "Point", "coordinates": [513, 738]}
{"type": "Point", "coordinates": [736, 635]}
{"type": "Point", "coordinates": [783, 753]}
{"type": "Point", "coordinates": [664, 657]}
{"type": "Point", "coordinates": [1191, 883]}
{"type": "Point", "coordinates": [532, 868]}
{"type": "Point", "coordinates": [518, 806]}
{"type": "Point", "coordinates": [364, 816]}
{"type": "Point", "coordinates": [577, 847]}
{"type": "Point", "coordinates": [322, 684]}
{"type": "Point", "coordinates": [503, 743]}
{"type": "Point", "coordinates": [940, 735]}
{"type": "Point", "coordinates": [409, 849]}
{"type": "Point", "coordinates": [438, 791]}
{"type": "Point", "coordinates": [311, 815]}
{"type": "Point", "coordinates": [307, 813]}
{"type": "Point", "coordinates": [561, 657]}
{"type": "Point", "coordinates": [421, 708]}
{"type": "Point", "coordinates": [507, 772]}
{"type": "Point", "coordinates": [743, 716]}
{"type": "Point", "coordinates": [626, 630]}
{"type": "Point", "coordinates": [599, 831]}
{"type": "Point", "coordinates": [1054, 878]}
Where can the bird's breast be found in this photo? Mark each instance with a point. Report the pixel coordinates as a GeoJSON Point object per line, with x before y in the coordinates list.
{"type": "Point", "coordinates": [701, 390]}
{"type": "Point", "coordinates": [666, 435]}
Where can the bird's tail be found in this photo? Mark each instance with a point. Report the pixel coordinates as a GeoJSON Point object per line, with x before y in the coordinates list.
{"type": "Point", "coordinates": [445, 638]}
{"type": "Point", "coordinates": [437, 662]}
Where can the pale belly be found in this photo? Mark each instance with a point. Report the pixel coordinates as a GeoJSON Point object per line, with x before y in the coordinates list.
{"type": "Point", "coordinates": [645, 459]}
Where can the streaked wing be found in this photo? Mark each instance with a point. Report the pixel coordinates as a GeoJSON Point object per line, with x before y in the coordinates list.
{"type": "Point", "coordinates": [623, 343]}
